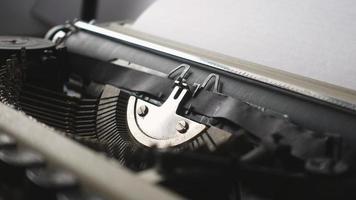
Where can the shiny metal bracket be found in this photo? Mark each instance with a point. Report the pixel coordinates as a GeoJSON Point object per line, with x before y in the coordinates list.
{"type": "Point", "coordinates": [161, 126]}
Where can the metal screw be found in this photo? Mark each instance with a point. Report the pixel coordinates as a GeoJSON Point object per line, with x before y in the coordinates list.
{"type": "Point", "coordinates": [182, 126]}
{"type": "Point", "coordinates": [142, 110]}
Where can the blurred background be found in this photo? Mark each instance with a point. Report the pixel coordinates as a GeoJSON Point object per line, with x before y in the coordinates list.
{"type": "Point", "coordinates": [35, 17]}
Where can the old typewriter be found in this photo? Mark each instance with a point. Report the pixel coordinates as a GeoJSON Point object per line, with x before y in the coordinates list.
{"type": "Point", "coordinates": [103, 112]}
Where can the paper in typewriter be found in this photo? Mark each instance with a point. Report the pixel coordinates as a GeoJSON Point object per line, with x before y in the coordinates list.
{"type": "Point", "coordinates": [311, 38]}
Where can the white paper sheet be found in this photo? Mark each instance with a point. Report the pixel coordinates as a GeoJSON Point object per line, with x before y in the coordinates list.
{"type": "Point", "coordinates": [312, 38]}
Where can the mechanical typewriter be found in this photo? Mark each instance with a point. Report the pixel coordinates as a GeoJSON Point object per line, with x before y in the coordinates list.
{"type": "Point", "coordinates": [104, 112]}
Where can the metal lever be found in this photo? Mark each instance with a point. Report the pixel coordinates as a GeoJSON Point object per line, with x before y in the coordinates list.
{"type": "Point", "coordinates": [184, 73]}
{"type": "Point", "coordinates": [216, 88]}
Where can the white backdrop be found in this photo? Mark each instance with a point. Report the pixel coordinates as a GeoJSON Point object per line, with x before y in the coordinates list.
{"type": "Point", "coordinates": [312, 38]}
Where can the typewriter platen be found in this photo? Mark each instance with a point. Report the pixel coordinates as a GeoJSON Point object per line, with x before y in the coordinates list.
{"type": "Point", "coordinates": [184, 126]}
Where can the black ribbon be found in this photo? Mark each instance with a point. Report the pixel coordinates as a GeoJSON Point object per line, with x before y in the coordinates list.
{"type": "Point", "coordinates": [265, 125]}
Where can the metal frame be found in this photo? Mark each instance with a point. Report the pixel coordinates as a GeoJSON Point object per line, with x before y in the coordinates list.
{"type": "Point", "coordinates": [332, 99]}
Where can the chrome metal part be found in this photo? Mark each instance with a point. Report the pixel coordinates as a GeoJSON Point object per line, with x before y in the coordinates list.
{"type": "Point", "coordinates": [159, 126]}
{"type": "Point", "coordinates": [183, 74]}
{"type": "Point", "coordinates": [58, 37]}
{"type": "Point", "coordinates": [323, 95]}
{"type": "Point", "coordinates": [182, 126]}
{"type": "Point", "coordinates": [142, 110]}
{"type": "Point", "coordinates": [53, 31]}
{"type": "Point", "coordinates": [216, 87]}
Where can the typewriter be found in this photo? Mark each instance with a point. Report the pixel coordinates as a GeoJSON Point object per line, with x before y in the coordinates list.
{"type": "Point", "coordinates": [104, 112]}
